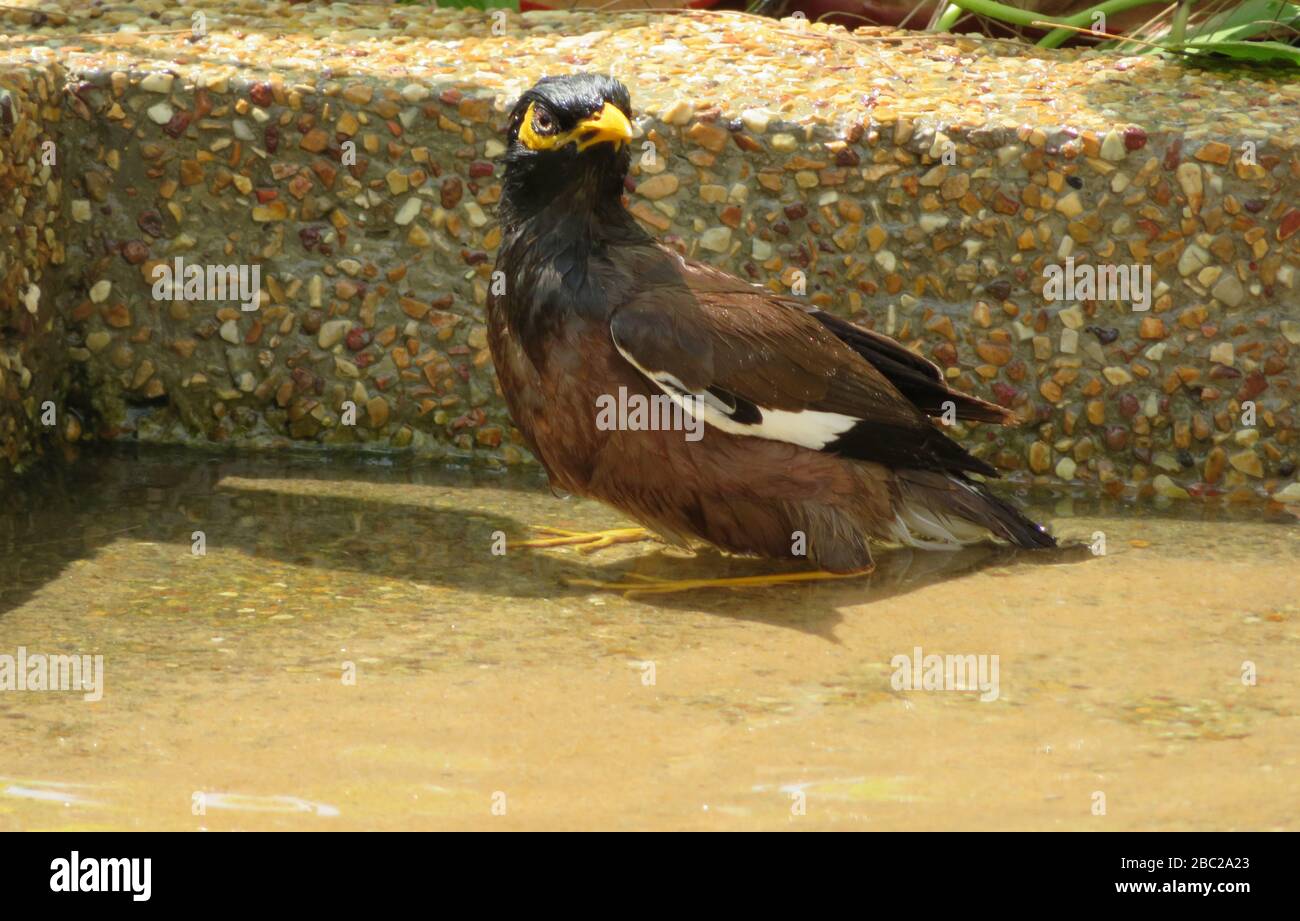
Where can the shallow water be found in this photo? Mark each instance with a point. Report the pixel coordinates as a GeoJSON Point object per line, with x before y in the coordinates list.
{"type": "Point", "coordinates": [484, 684]}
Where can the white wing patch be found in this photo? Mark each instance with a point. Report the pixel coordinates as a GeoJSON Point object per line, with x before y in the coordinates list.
{"type": "Point", "coordinates": [807, 428]}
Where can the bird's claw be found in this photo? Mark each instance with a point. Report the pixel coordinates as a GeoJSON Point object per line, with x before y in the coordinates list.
{"type": "Point", "coordinates": [585, 541]}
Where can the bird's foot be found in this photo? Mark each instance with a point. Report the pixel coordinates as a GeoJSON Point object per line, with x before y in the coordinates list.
{"type": "Point", "coordinates": [638, 584]}
{"type": "Point", "coordinates": [585, 541]}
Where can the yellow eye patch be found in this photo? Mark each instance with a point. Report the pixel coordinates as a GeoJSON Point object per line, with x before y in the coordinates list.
{"type": "Point", "coordinates": [531, 138]}
{"type": "Point", "coordinates": [607, 125]}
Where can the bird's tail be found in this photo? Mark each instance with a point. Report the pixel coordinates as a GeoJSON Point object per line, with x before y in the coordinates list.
{"type": "Point", "coordinates": [944, 511]}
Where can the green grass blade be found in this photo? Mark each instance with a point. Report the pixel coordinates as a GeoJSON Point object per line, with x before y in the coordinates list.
{"type": "Point", "coordinates": [1249, 51]}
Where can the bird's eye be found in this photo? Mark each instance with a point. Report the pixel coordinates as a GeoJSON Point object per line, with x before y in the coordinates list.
{"type": "Point", "coordinates": [542, 122]}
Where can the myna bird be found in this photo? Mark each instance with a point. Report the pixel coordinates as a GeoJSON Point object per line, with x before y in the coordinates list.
{"type": "Point", "coordinates": [816, 438]}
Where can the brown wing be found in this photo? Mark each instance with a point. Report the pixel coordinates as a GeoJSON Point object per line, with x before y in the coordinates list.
{"type": "Point", "coordinates": [917, 378]}
{"type": "Point", "coordinates": [762, 365]}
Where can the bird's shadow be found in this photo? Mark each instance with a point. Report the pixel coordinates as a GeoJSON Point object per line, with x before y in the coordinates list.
{"type": "Point", "coordinates": [815, 607]}
{"type": "Point", "coordinates": [417, 524]}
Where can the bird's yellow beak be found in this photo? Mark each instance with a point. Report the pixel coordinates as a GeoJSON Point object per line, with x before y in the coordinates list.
{"type": "Point", "coordinates": [608, 125]}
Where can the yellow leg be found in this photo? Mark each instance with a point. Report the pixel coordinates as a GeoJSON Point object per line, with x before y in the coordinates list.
{"type": "Point", "coordinates": [585, 541]}
{"type": "Point", "coordinates": [649, 586]}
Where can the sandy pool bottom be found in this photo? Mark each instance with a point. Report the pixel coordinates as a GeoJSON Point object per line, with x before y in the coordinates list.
{"type": "Point", "coordinates": [349, 653]}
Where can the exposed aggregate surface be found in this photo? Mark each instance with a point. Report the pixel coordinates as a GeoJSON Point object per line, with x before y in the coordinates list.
{"type": "Point", "coordinates": [918, 184]}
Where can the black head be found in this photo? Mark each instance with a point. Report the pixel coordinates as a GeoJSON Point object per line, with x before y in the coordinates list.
{"type": "Point", "coordinates": [567, 144]}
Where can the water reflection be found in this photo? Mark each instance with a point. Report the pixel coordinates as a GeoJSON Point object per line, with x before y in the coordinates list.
{"type": "Point", "coordinates": [347, 647]}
